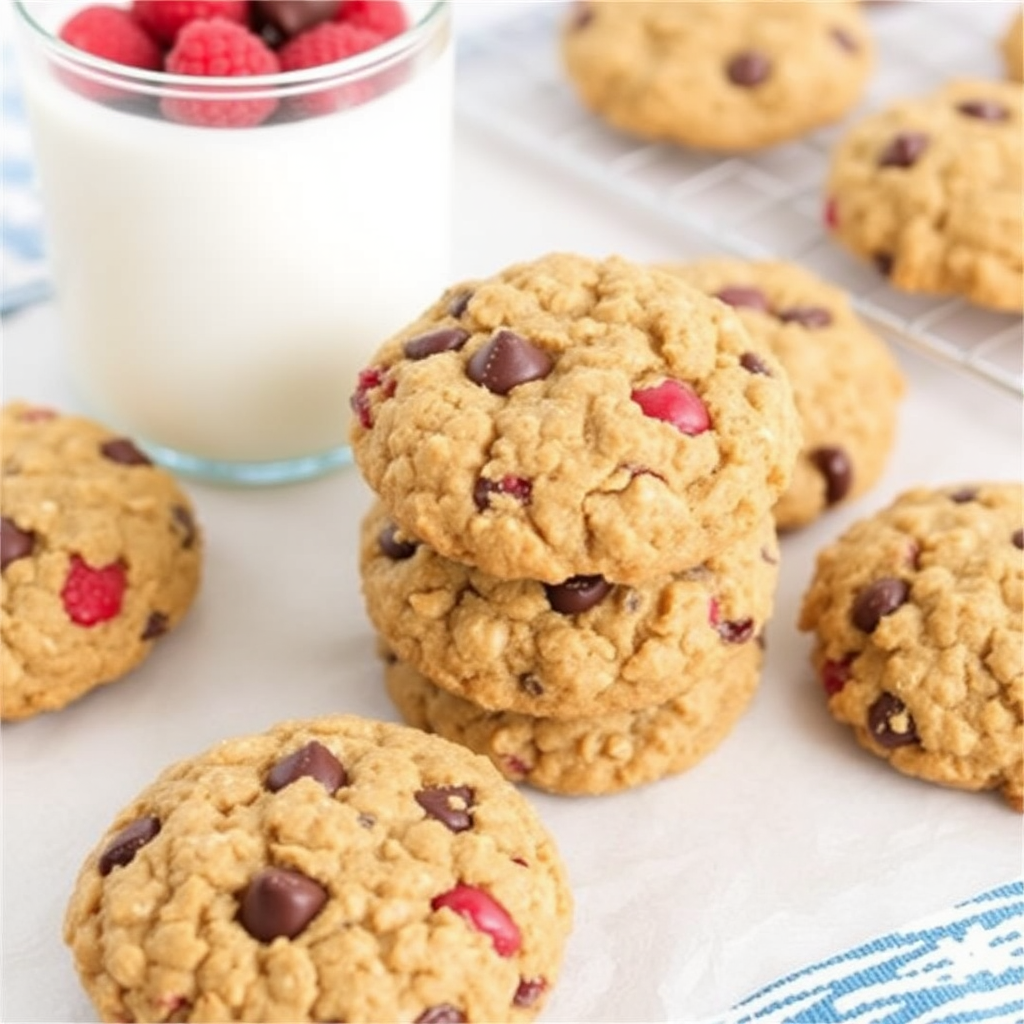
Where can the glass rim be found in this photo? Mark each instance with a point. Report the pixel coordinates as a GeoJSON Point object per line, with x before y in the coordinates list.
{"type": "Point", "coordinates": [358, 65]}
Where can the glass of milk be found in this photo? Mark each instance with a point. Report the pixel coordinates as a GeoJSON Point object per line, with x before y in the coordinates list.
{"type": "Point", "coordinates": [220, 288]}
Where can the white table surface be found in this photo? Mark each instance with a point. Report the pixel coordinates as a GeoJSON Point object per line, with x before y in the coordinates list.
{"type": "Point", "coordinates": [785, 845]}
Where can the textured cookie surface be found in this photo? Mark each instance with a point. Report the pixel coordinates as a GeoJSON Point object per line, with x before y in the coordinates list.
{"type": "Point", "coordinates": [598, 754]}
{"type": "Point", "coordinates": [917, 613]}
{"type": "Point", "coordinates": [582, 647]}
{"type": "Point", "coordinates": [336, 869]}
{"type": "Point", "coordinates": [846, 383]}
{"type": "Point", "coordinates": [576, 416]}
{"type": "Point", "coordinates": [1013, 47]}
{"type": "Point", "coordinates": [930, 190]}
{"type": "Point", "coordinates": [100, 552]}
{"type": "Point", "coordinates": [718, 75]}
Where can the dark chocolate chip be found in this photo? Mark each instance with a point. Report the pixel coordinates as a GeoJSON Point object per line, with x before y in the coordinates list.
{"type": "Point", "coordinates": [15, 542]}
{"type": "Point", "coordinates": [280, 902]}
{"type": "Point", "coordinates": [834, 465]}
{"type": "Point", "coordinates": [876, 600]}
{"type": "Point", "coordinates": [314, 760]}
{"type": "Point", "coordinates": [529, 991]}
{"type": "Point", "coordinates": [450, 805]}
{"type": "Point", "coordinates": [443, 1013]}
{"type": "Point", "coordinates": [123, 451]}
{"type": "Point", "coordinates": [984, 110]}
{"type": "Point", "coordinates": [963, 495]}
{"type": "Point", "coordinates": [156, 625]}
{"type": "Point", "coordinates": [883, 262]}
{"type": "Point", "coordinates": [904, 149]}
{"type": "Point", "coordinates": [577, 594]}
{"type": "Point", "coordinates": [743, 297]}
{"type": "Point", "coordinates": [1018, 539]}
{"type": "Point", "coordinates": [811, 317]}
{"type": "Point", "coordinates": [514, 486]}
{"type": "Point", "coordinates": [445, 339]}
{"type": "Point", "coordinates": [748, 69]}
{"type": "Point", "coordinates": [459, 303]}
{"type": "Point", "coordinates": [183, 518]}
{"type": "Point", "coordinates": [846, 41]}
{"type": "Point", "coordinates": [122, 848]}
{"type": "Point", "coordinates": [753, 363]}
{"type": "Point", "coordinates": [890, 724]}
{"type": "Point", "coordinates": [506, 361]}
{"type": "Point", "coordinates": [735, 631]}
{"type": "Point", "coordinates": [530, 684]}
{"type": "Point", "coordinates": [293, 16]}
{"type": "Point", "coordinates": [394, 548]}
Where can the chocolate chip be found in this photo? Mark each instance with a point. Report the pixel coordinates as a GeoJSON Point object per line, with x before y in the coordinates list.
{"type": "Point", "coordinates": [753, 363]}
{"type": "Point", "coordinates": [123, 451]}
{"type": "Point", "coordinates": [530, 684]}
{"type": "Point", "coordinates": [890, 724]}
{"type": "Point", "coordinates": [445, 339]}
{"type": "Point", "coordinates": [443, 1013]}
{"type": "Point", "coordinates": [845, 39]}
{"type": "Point", "coordinates": [314, 760]}
{"type": "Point", "coordinates": [450, 805]}
{"type": "Point", "coordinates": [876, 600]}
{"type": "Point", "coordinates": [280, 902]}
{"type": "Point", "coordinates": [735, 631]}
{"type": "Point", "coordinates": [156, 625]}
{"type": "Point", "coordinates": [576, 594]}
{"type": "Point", "coordinates": [514, 486]}
{"type": "Point", "coordinates": [811, 317]}
{"type": "Point", "coordinates": [883, 262]}
{"type": "Point", "coordinates": [1018, 539]}
{"type": "Point", "coordinates": [15, 542]}
{"type": "Point", "coordinates": [963, 495]}
{"type": "Point", "coordinates": [834, 465]}
{"type": "Point", "coordinates": [506, 361]}
{"type": "Point", "coordinates": [459, 303]}
{"type": "Point", "coordinates": [904, 150]}
{"type": "Point", "coordinates": [748, 69]}
{"type": "Point", "coordinates": [984, 110]}
{"type": "Point", "coordinates": [293, 16]}
{"type": "Point", "coordinates": [183, 518]}
{"type": "Point", "coordinates": [122, 848]}
{"type": "Point", "coordinates": [743, 297]}
{"type": "Point", "coordinates": [394, 548]}
{"type": "Point", "coordinates": [582, 15]}
{"type": "Point", "coordinates": [529, 991]}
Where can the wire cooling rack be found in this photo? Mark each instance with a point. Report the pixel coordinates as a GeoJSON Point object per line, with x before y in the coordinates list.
{"type": "Point", "coordinates": [766, 204]}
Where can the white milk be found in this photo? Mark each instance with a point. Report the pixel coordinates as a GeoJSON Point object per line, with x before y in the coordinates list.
{"type": "Point", "coordinates": [221, 288]}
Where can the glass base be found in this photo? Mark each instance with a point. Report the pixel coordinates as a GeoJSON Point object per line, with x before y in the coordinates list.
{"type": "Point", "coordinates": [249, 474]}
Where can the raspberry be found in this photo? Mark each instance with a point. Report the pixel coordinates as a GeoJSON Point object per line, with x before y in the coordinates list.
{"type": "Point", "coordinates": [385, 17]}
{"type": "Point", "coordinates": [674, 402]}
{"type": "Point", "coordinates": [324, 44]}
{"type": "Point", "coordinates": [110, 33]}
{"type": "Point", "coordinates": [219, 48]}
{"type": "Point", "coordinates": [163, 19]}
{"type": "Point", "coordinates": [484, 913]}
{"type": "Point", "coordinates": [93, 595]}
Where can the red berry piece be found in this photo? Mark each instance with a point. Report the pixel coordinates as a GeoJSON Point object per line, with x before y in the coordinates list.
{"type": "Point", "coordinates": [676, 403]}
{"type": "Point", "coordinates": [515, 486]}
{"type": "Point", "coordinates": [831, 215]}
{"type": "Point", "coordinates": [223, 49]}
{"type": "Point", "coordinates": [443, 1013]}
{"type": "Point", "coordinates": [93, 595]}
{"type": "Point", "coordinates": [484, 913]}
{"type": "Point", "coordinates": [369, 380]}
{"type": "Point", "coordinates": [327, 43]}
{"type": "Point", "coordinates": [110, 33]}
{"type": "Point", "coordinates": [385, 17]}
{"type": "Point", "coordinates": [836, 674]}
{"type": "Point", "coordinates": [732, 631]}
{"type": "Point", "coordinates": [529, 991]}
{"type": "Point", "coordinates": [164, 19]}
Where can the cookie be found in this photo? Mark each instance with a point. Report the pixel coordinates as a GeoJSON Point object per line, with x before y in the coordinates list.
{"type": "Point", "coordinates": [718, 75]}
{"type": "Point", "coordinates": [918, 619]}
{"type": "Point", "coordinates": [929, 189]}
{"type": "Point", "coordinates": [573, 416]}
{"type": "Point", "coordinates": [337, 869]}
{"type": "Point", "coordinates": [1012, 45]}
{"type": "Point", "coordinates": [846, 383]}
{"type": "Point", "coordinates": [101, 557]}
{"type": "Point", "coordinates": [588, 755]}
{"type": "Point", "coordinates": [580, 647]}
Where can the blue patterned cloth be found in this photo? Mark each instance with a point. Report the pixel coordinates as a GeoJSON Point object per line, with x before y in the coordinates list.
{"type": "Point", "coordinates": [23, 273]}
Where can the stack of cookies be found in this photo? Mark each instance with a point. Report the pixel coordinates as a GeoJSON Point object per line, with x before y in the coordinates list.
{"type": "Point", "coordinates": [573, 554]}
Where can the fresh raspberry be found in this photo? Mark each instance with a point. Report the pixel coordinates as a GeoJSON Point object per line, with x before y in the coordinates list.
{"type": "Point", "coordinates": [385, 17]}
{"type": "Point", "coordinates": [220, 48]}
{"type": "Point", "coordinates": [484, 913]}
{"type": "Point", "coordinates": [93, 595]}
{"type": "Point", "coordinates": [163, 19]}
{"type": "Point", "coordinates": [674, 402]}
{"type": "Point", "coordinates": [110, 33]}
{"type": "Point", "coordinates": [324, 44]}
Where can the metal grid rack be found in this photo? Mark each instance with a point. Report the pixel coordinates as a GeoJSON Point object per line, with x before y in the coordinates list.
{"type": "Point", "coordinates": [761, 205]}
